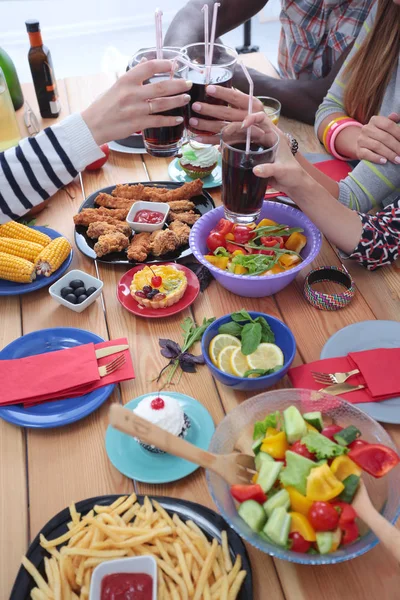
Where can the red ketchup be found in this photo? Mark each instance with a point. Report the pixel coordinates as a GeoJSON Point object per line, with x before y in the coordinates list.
{"type": "Point", "coordinates": [127, 586]}
{"type": "Point", "coordinates": [148, 216]}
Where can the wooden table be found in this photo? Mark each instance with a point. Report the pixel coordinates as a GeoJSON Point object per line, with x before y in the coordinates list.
{"type": "Point", "coordinates": [42, 471]}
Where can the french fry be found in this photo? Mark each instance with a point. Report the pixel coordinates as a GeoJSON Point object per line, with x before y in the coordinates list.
{"type": "Point", "coordinates": [189, 544]}
{"type": "Point", "coordinates": [206, 570]}
{"type": "Point", "coordinates": [185, 572]}
{"type": "Point", "coordinates": [107, 509]}
{"type": "Point", "coordinates": [226, 553]}
{"type": "Point", "coordinates": [172, 574]}
{"type": "Point", "coordinates": [57, 579]}
{"type": "Point", "coordinates": [37, 594]}
{"type": "Point", "coordinates": [75, 516]}
{"type": "Point", "coordinates": [224, 591]}
{"type": "Point", "coordinates": [34, 573]}
{"type": "Point", "coordinates": [233, 592]}
{"type": "Point", "coordinates": [49, 572]}
{"type": "Point", "coordinates": [164, 514]}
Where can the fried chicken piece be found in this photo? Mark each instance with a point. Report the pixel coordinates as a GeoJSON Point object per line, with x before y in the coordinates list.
{"type": "Point", "coordinates": [163, 241]}
{"type": "Point", "coordinates": [115, 213]}
{"type": "Point", "coordinates": [140, 247]}
{"type": "Point", "coordinates": [157, 194]}
{"type": "Point", "coordinates": [181, 230]}
{"type": "Point", "coordinates": [98, 228]}
{"type": "Point", "coordinates": [92, 215]}
{"type": "Point", "coordinates": [112, 202]}
{"type": "Point", "coordinates": [111, 242]}
{"type": "Point", "coordinates": [181, 205]}
{"type": "Point", "coordinates": [136, 192]}
{"type": "Point", "coordinates": [189, 217]}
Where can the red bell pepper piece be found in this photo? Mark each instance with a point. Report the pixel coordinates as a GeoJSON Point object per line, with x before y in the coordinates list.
{"type": "Point", "coordinates": [375, 459]}
{"type": "Point", "coordinates": [357, 444]}
{"type": "Point", "coordinates": [241, 493]}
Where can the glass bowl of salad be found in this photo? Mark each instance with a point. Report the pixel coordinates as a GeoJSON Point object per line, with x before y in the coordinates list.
{"type": "Point", "coordinates": [311, 450]}
{"type": "Point", "coordinates": [257, 260]}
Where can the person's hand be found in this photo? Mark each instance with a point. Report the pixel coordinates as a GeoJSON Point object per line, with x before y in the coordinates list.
{"type": "Point", "coordinates": [130, 106]}
{"type": "Point", "coordinates": [236, 111]}
{"type": "Point", "coordinates": [379, 140]}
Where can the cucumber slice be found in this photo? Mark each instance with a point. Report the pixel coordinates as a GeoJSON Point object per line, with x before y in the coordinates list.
{"type": "Point", "coordinates": [261, 458]}
{"type": "Point", "coordinates": [295, 425]}
{"type": "Point", "coordinates": [253, 514]}
{"type": "Point", "coordinates": [324, 541]}
{"type": "Point", "coordinates": [269, 473]}
{"type": "Point", "coordinates": [282, 498]}
{"type": "Point", "coordinates": [257, 445]}
{"type": "Point", "coordinates": [314, 419]}
{"type": "Point", "coordinates": [350, 487]}
{"type": "Point", "coordinates": [278, 526]}
{"type": "Point", "coordinates": [347, 435]}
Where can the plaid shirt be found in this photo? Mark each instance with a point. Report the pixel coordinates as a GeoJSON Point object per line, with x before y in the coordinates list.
{"type": "Point", "coordinates": [315, 33]}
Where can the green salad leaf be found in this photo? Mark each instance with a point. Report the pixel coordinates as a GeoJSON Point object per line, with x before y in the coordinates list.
{"type": "Point", "coordinates": [260, 427]}
{"type": "Point", "coordinates": [255, 263]}
{"type": "Point", "coordinates": [322, 446]}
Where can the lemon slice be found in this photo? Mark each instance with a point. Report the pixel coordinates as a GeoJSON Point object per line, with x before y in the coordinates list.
{"type": "Point", "coordinates": [218, 343]}
{"type": "Point", "coordinates": [224, 359]}
{"type": "Point", "coordinates": [239, 364]}
{"type": "Point", "coordinates": [267, 356]}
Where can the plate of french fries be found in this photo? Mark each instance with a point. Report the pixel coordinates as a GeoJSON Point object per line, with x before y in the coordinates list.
{"type": "Point", "coordinates": [198, 556]}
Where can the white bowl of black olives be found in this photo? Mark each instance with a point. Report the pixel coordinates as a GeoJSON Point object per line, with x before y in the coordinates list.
{"type": "Point", "coordinates": [76, 290]}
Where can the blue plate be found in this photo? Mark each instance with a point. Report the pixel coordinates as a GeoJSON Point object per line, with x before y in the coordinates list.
{"type": "Point", "coordinates": [10, 288]}
{"type": "Point", "coordinates": [368, 335]}
{"type": "Point", "coordinates": [132, 460]}
{"type": "Point", "coordinates": [176, 173]}
{"type": "Point", "coordinates": [57, 412]}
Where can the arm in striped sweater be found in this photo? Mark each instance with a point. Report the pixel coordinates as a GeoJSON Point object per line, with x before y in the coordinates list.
{"type": "Point", "coordinates": [39, 166]}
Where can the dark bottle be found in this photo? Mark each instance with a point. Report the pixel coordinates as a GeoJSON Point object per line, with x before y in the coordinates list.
{"type": "Point", "coordinates": [14, 87]}
{"type": "Point", "coordinates": [42, 72]}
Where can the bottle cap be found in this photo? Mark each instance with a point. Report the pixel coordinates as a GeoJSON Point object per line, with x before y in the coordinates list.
{"type": "Point", "coordinates": [32, 25]}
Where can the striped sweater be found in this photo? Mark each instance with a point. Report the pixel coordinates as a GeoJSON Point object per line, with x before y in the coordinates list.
{"type": "Point", "coordinates": [39, 166]}
{"type": "Point", "coordinates": [369, 185]}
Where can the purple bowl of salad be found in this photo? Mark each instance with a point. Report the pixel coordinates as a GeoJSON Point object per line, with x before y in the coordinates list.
{"type": "Point", "coordinates": [257, 286]}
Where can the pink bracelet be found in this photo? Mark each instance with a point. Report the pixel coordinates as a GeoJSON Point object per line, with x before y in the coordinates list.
{"type": "Point", "coordinates": [335, 132]}
{"type": "Point", "coordinates": [331, 128]}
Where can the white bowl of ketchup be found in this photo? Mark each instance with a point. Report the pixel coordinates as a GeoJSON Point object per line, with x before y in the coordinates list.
{"type": "Point", "coordinates": [147, 216]}
{"type": "Point", "coordinates": [136, 574]}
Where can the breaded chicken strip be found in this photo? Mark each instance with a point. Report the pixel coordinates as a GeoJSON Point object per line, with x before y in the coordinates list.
{"type": "Point", "coordinates": [115, 213]}
{"type": "Point", "coordinates": [140, 247]}
{"type": "Point", "coordinates": [181, 230]}
{"type": "Point", "coordinates": [111, 242]}
{"type": "Point", "coordinates": [136, 192]}
{"type": "Point", "coordinates": [91, 215]}
{"type": "Point", "coordinates": [163, 241]}
{"type": "Point", "coordinates": [189, 217]}
{"type": "Point", "coordinates": [113, 202]}
{"type": "Point", "coordinates": [156, 194]}
{"type": "Point", "coordinates": [98, 228]}
{"type": "Point", "coordinates": [181, 205]}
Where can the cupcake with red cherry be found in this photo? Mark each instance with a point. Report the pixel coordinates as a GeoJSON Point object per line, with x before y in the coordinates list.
{"type": "Point", "coordinates": [165, 412]}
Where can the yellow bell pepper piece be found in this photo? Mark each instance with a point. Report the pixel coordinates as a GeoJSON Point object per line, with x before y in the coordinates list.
{"type": "Point", "coordinates": [239, 270]}
{"type": "Point", "coordinates": [239, 251]}
{"type": "Point", "coordinates": [302, 525]}
{"type": "Point", "coordinates": [254, 478]}
{"type": "Point", "coordinates": [230, 237]}
{"type": "Point", "coordinates": [275, 445]}
{"type": "Point", "coordinates": [266, 223]}
{"type": "Point", "coordinates": [275, 269]}
{"type": "Point", "coordinates": [296, 242]}
{"type": "Point", "coordinates": [298, 502]}
{"type": "Point", "coordinates": [311, 427]}
{"type": "Point", "coordinates": [337, 538]}
{"type": "Point", "coordinates": [271, 431]}
{"type": "Point", "coordinates": [322, 484]}
{"type": "Point", "coordinates": [343, 466]}
{"type": "Point", "coordinates": [218, 261]}
{"type": "Point", "coordinates": [288, 260]}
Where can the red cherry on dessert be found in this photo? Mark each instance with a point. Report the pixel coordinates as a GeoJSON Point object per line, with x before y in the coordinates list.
{"type": "Point", "coordinates": [156, 281]}
{"type": "Point", "coordinates": [157, 403]}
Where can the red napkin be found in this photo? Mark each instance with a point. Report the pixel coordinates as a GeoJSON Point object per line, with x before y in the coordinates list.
{"type": "Point", "coordinates": [335, 169]}
{"type": "Point", "coordinates": [379, 369]}
{"type": "Point", "coordinates": [122, 374]}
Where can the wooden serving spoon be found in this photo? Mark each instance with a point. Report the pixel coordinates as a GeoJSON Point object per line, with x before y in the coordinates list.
{"type": "Point", "coordinates": [234, 468]}
{"type": "Point", "coordinates": [387, 533]}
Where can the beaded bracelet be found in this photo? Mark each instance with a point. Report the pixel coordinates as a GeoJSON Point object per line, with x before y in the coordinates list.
{"type": "Point", "coordinates": [335, 132]}
{"type": "Point", "coordinates": [324, 301]}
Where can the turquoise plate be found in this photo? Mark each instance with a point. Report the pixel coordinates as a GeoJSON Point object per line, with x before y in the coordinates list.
{"type": "Point", "coordinates": [176, 173]}
{"type": "Point", "coordinates": [128, 456]}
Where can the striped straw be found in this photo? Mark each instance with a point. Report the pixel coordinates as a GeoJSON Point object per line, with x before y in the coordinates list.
{"type": "Point", "coordinates": [250, 105]}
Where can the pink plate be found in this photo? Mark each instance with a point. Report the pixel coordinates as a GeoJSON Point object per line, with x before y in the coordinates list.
{"type": "Point", "coordinates": [128, 302]}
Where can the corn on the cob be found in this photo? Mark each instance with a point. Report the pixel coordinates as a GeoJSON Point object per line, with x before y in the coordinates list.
{"type": "Point", "coordinates": [17, 231]}
{"type": "Point", "coordinates": [28, 250]}
{"type": "Point", "coordinates": [15, 268]}
{"type": "Point", "coordinates": [52, 256]}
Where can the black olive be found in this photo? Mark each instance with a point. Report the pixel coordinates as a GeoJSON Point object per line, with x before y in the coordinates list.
{"type": "Point", "coordinates": [77, 283]}
{"type": "Point", "coordinates": [66, 290]}
{"type": "Point", "coordinates": [81, 299]}
{"type": "Point", "coordinates": [79, 291]}
{"type": "Point", "coordinates": [90, 291]}
{"type": "Point", "coordinates": [71, 298]}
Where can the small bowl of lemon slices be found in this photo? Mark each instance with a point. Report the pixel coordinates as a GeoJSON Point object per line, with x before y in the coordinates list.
{"type": "Point", "coordinates": [248, 350]}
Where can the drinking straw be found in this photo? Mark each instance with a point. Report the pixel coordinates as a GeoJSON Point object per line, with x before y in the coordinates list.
{"type": "Point", "coordinates": [186, 62]}
{"type": "Point", "coordinates": [250, 105]}
{"type": "Point", "coordinates": [212, 40]}
{"type": "Point", "coordinates": [159, 41]}
{"type": "Point", "coordinates": [204, 10]}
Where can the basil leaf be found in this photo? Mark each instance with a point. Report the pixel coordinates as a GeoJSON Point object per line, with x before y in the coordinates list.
{"type": "Point", "coordinates": [231, 328]}
{"type": "Point", "coordinates": [267, 335]}
{"type": "Point", "coordinates": [251, 338]}
{"type": "Point", "coordinates": [242, 315]}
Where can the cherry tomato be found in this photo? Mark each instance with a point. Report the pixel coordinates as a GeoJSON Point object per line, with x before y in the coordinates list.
{"type": "Point", "coordinates": [241, 493]}
{"type": "Point", "coordinates": [298, 543]}
{"type": "Point", "coordinates": [330, 431]}
{"type": "Point", "coordinates": [350, 533]}
{"type": "Point", "coordinates": [323, 516]}
{"type": "Point", "coordinates": [272, 240]}
{"type": "Point", "coordinates": [302, 449]}
{"type": "Point", "coordinates": [375, 459]}
{"type": "Point", "coordinates": [346, 512]}
{"type": "Point", "coordinates": [224, 226]}
{"type": "Point", "coordinates": [357, 444]}
{"type": "Point", "coordinates": [242, 234]}
{"type": "Point", "coordinates": [97, 164]}
{"type": "Point", "coordinates": [215, 240]}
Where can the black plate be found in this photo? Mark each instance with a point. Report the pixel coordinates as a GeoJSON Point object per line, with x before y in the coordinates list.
{"type": "Point", "coordinates": [204, 203]}
{"type": "Point", "coordinates": [208, 520]}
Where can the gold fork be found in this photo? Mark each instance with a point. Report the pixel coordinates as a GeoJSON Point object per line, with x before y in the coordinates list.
{"type": "Point", "coordinates": [234, 468]}
{"type": "Point", "coordinates": [328, 378]}
{"type": "Point", "coordinates": [112, 366]}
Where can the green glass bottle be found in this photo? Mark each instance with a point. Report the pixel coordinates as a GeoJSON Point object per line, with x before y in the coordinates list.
{"type": "Point", "coordinates": [7, 65]}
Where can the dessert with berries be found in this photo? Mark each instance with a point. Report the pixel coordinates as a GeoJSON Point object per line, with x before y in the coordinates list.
{"type": "Point", "coordinates": [158, 286]}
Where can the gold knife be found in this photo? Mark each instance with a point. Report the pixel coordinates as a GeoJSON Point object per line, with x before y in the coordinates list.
{"type": "Point", "coordinates": [341, 388]}
{"type": "Point", "coordinates": [110, 350]}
